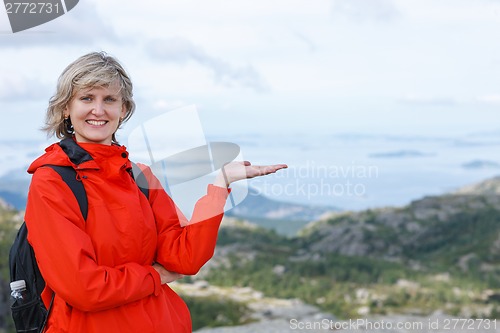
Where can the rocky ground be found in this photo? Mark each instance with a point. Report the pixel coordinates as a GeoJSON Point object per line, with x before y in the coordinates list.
{"type": "Point", "coordinates": [316, 323]}
{"type": "Point", "coordinates": [272, 315]}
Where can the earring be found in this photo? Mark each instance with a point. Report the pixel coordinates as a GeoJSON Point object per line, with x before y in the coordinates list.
{"type": "Point", "coordinates": [68, 125]}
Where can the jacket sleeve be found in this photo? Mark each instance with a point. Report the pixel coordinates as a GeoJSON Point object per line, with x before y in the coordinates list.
{"type": "Point", "coordinates": [184, 246]}
{"type": "Point", "coordinates": [66, 256]}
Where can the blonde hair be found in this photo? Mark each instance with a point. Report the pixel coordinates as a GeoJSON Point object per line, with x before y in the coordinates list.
{"type": "Point", "coordinates": [95, 69]}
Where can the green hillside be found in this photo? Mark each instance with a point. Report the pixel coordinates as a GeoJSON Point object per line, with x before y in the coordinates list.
{"type": "Point", "coordinates": [438, 253]}
{"type": "Point", "coordinates": [10, 221]}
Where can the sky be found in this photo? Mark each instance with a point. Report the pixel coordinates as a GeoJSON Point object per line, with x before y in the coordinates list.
{"type": "Point", "coordinates": [290, 67]}
{"type": "Point", "coordinates": [276, 70]}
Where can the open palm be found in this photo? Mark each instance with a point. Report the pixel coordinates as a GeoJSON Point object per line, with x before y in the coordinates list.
{"type": "Point", "coordinates": [237, 170]}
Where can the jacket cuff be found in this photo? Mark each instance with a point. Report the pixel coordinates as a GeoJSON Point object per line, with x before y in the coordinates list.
{"type": "Point", "coordinates": [217, 191]}
{"type": "Point", "coordinates": [156, 281]}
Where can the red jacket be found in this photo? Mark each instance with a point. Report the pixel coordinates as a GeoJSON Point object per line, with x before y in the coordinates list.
{"type": "Point", "coordinates": [101, 269]}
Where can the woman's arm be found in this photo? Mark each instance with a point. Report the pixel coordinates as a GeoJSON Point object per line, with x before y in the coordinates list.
{"type": "Point", "coordinates": [184, 246]}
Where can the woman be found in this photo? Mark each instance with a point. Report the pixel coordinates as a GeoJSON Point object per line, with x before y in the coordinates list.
{"type": "Point", "coordinates": [110, 272]}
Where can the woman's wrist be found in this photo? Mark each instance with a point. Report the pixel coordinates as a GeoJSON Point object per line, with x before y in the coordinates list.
{"type": "Point", "coordinates": [221, 179]}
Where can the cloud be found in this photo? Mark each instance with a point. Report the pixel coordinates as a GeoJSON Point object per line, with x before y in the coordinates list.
{"type": "Point", "coordinates": [163, 104]}
{"type": "Point", "coordinates": [366, 10]}
{"type": "Point", "coordinates": [427, 101]}
{"type": "Point", "coordinates": [489, 99]}
{"type": "Point", "coordinates": [400, 154]}
{"type": "Point", "coordinates": [81, 26]}
{"type": "Point", "coordinates": [181, 50]}
{"type": "Point", "coordinates": [14, 88]}
{"type": "Point", "coordinates": [305, 40]}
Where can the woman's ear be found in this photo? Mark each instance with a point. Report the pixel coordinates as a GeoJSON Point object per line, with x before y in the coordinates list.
{"type": "Point", "coordinates": [124, 110]}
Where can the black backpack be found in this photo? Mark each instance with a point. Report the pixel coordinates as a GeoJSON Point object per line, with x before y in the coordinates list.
{"type": "Point", "coordinates": [31, 316]}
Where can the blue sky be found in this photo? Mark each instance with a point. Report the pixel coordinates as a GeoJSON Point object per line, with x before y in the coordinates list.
{"type": "Point", "coordinates": [293, 67]}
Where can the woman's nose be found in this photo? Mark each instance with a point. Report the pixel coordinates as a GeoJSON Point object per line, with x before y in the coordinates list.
{"type": "Point", "coordinates": [98, 109]}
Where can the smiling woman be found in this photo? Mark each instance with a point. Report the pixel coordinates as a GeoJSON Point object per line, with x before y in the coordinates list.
{"type": "Point", "coordinates": [96, 114]}
{"type": "Point", "coordinates": [109, 271]}
{"type": "Point", "coordinates": [94, 87]}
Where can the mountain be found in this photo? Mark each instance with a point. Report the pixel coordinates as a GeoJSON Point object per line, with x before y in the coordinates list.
{"type": "Point", "coordinates": [257, 205]}
{"type": "Point", "coordinates": [459, 232]}
{"type": "Point", "coordinates": [14, 187]}
{"type": "Point", "coordinates": [436, 254]}
{"type": "Point", "coordinates": [488, 187]}
{"type": "Point", "coordinates": [284, 217]}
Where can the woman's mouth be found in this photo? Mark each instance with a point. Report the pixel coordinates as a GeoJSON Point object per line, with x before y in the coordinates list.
{"type": "Point", "coordinates": [96, 122]}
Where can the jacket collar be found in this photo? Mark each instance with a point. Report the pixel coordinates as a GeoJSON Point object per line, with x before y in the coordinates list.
{"type": "Point", "coordinates": [76, 154]}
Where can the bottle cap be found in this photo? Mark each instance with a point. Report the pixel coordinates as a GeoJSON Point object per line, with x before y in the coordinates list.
{"type": "Point", "coordinates": [19, 284]}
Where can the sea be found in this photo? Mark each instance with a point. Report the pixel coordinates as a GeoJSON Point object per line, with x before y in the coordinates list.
{"type": "Point", "coordinates": [356, 171]}
{"type": "Point", "coordinates": [345, 171]}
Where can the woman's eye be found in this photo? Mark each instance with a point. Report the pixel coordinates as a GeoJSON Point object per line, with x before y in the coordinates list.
{"type": "Point", "coordinates": [85, 98]}
{"type": "Point", "coordinates": [110, 99]}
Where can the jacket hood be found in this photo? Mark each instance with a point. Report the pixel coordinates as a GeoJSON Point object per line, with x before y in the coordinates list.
{"type": "Point", "coordinates": [64, 153]}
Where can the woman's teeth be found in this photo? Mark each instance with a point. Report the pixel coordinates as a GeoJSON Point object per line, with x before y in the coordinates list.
{"type": "Point", "coordinates": [96, 122]}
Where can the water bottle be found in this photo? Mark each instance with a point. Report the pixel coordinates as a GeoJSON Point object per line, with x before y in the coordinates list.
{"type": "Point", "coordinates": [18, 291]}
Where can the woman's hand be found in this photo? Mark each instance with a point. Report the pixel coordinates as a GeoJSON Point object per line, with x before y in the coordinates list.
{"type": "Point", "coordinates": [235, 171]}
{"type": "Point", "coordinates": [166, 276]}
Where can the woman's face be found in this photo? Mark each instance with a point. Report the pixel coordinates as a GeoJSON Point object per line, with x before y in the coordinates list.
{"type": "Point", "coordinates": [95, 113]}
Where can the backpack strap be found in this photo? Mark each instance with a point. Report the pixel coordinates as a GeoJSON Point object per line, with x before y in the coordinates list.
{"type": "Point", "coordinates": [42, 329]}
{"type": "Point", "coordinates": [68, 174]}
{"type": "Point", "coordinates": [140, 179]}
